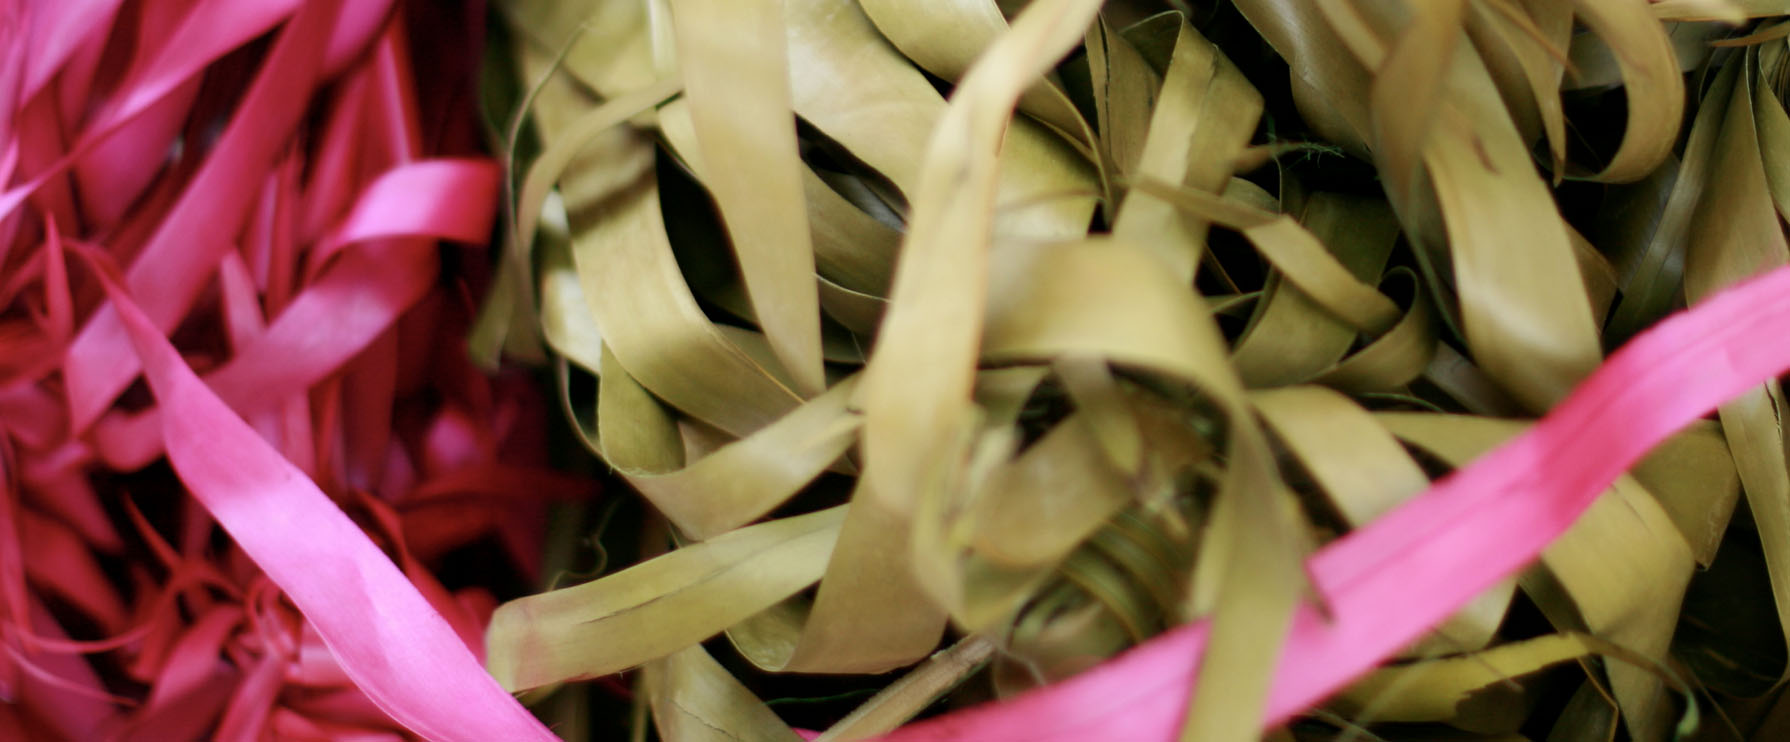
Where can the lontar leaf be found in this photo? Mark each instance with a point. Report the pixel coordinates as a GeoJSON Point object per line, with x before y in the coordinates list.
{"type": "Point", "coordinates": [735, 66]}
{"type": "Point", "coordinates": [628, 618]}
{"type": "Point", "coordinates": [1077, 324]}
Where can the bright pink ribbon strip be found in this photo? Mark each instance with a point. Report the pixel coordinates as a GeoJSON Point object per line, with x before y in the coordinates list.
{"type": "Point", "coordinates": [170, 272]}
{"type": "Point", "coordinates": [1387, 583]}
{"type": "Point", "coordinates": [387, 638]}
{"type": "Point", "coordinates": [358, 297]}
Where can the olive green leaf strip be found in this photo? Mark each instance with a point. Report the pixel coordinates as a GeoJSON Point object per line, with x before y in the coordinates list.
{"type": "Point", "coordinates": [1735, 218]}
{"type": "Point", "coordinates": [1011, 549]}
{"type": "Point", "coordinates": [575, 409]}
{"type": "Point", "coordinates": [993, 595]}
{"type": "Point", "coordinates": [1763, 34]}
{"type": "Point", "coordinates": [1727, 11]}
{"type": "Point", "coordinates": [734, 61]}
{"type": "Point", "coordinates": [974, 592]}
{"type": "Point", "coordinates": [1523, 304]}
{"type": "Point", "coordinates": [946, 37]}
{"type": "Point", "coordinates": [1262, 582]}
{"type": "Point", "coordinates": [1365, 473]}
{"type": "Point", "coordinates": [1179, 442]}
{"type": "Point", "coordinates": [855, 311]}
{"type": "Point", "coordinates": [580, 133]}
{"type": "Point", "coordinates": [859, 91]}
{"type": "Point", "coordinates": [1088, 298]}
{"type": "Point", "coordinates": [869, 589]}
{"type": "Point", "coordinates": [1203, 119]}
{"type": "Point", "coordinates": [1523, 307]}
{"type": "Point", "coordinates": [1739, 234]}
{"type": "Point", "coordinates": [913, 692]}
{"type": "Point", "coordinates": [634, 432]}
{"type": "Point", "coordinates": [1145, 558]}
{"type": "Point", "coordinates": [1598, 273]}
{"type": "Point", "coordinates": [1693, 476]}
{"type": "Point", "coordinates": [1002, 393]}
{"type": "Point", "coordinates": [1329, 84]}
{"type": "Point", "coordinates": [1594, 65]}
{"type": "Point", "coordinates": [1040, 505]}
{"type": "Point", "coordinates": [1651, 80]}
{"type": "Point", "coordinates": [854, 251]}
{"type": "Point", "coordinates": [610, 47]}
{"type": "Point", "coordinates": [1626, 592]}
{"type": "Point", "coordinates": [1395, 358]}
{"type": "Point", "coordinates": [851, 247]}
{"type": "Point", "coordinates": [601, 159]}
{"type": "Point", "coordinates": [1407, 91]}
{"type": "Point", "coordinates": [650, 320]}
{"type": "Point", "coordinates": [1590, 715]}
{"type": "Point", "coordinates": [1621, 569]}
{"type": "Point", "coordinates": [659, 606]}
{"type": "Point", "coordinates": [1105, 298]}
{"type": "Point", "coordinates": [1125, 90]}
{"type": "Point", "coordinates": [747, 478]}
{"type": "Point", "coordinates": [1628, 223]}
{"type": "Point", "coordinates": [1437, 690]}
{"type": "Point", "coordinates": [1292, 199]}
{"type": "Point", "coordinates": [504, 327]}
{"type": "Point", "coordinates": [1331, 87]}
{"type": "Point", "coordinates": [1291, 338]}
{"type": "Point", "coordinates": [1651, 289]}
{"type": "Point", "coordinates": [1461, 381]}
{"type": "Point", "coordinates": [1063, 633]}
{"type": "Point", "coordinates": [1524, 45]}
{"type": "Point", "coordinates": [565, 318]}
{"type": "Point", "coordinates": [836, 346]}
{"type": "Point", "coordinates": [1232, 305]}
{"type": "Point", "coordinates": [1097, 396]}
{"type": "Point", "coordinates": [509, 320]}
{"type": "Point", "coordinates": [1354, 460]}
{"type": "Point", "coordinates": [848, 82]}
{"type": "Point", "coordinates": [1298, 255]}
{"type": "Point", "coordinates": [1105, 584]}
{"type": "Point", "coordinates": [565, 145]}
{"type": "Point", "coordinates": [695, 699]}
{"type": "Point", "coordinates": [1772, 124]}
{"type": "Point", "coordinates": [1364, 28]}
{"type": "Point", "coordinates": [916, 391]}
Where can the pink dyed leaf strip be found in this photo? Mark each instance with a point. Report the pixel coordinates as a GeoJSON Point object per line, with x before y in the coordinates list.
{"type": "Point", "coordinates": [357, 297]}
{"type": "Point", "coordinates": [121, 164]}
{"type": "Point", "coordinates": [1387, 583]}
{"type": "Point", "coordinates": [211, 29]}
{"type": "Point", "coordinates": [209, 33]}
{"type": "Point", "coordinates": [62, 688]}
{"type": "Point", "coordinates": [194, 659]}
{"type": "Point", "coordinates": [388, 639]}
{"type": "Point", "coordinates": [14, 48]}
{"type": "Point", "coordinates": [57, 30]}
{"type": "Point", "coordinates": [173, 267]}
{"type": "Point", "coordinates": [65, 567]}
{"type": "Point", "coordinates": [446, 198]}
{"type": "Point", "coordinates": [248, 709]}
{"type": "Point", "coordinates": [360, 20]}
{"type": "Point", "coordinates": [14, 598]}
{"type": "Point", "coordinates": [115, 171]}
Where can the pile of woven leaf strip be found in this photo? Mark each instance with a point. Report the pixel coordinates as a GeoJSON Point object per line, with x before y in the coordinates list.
{"type": "Point", "coordinates": [268, 183]}
{"type": "Point", "coordinates": [1041, 327]}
